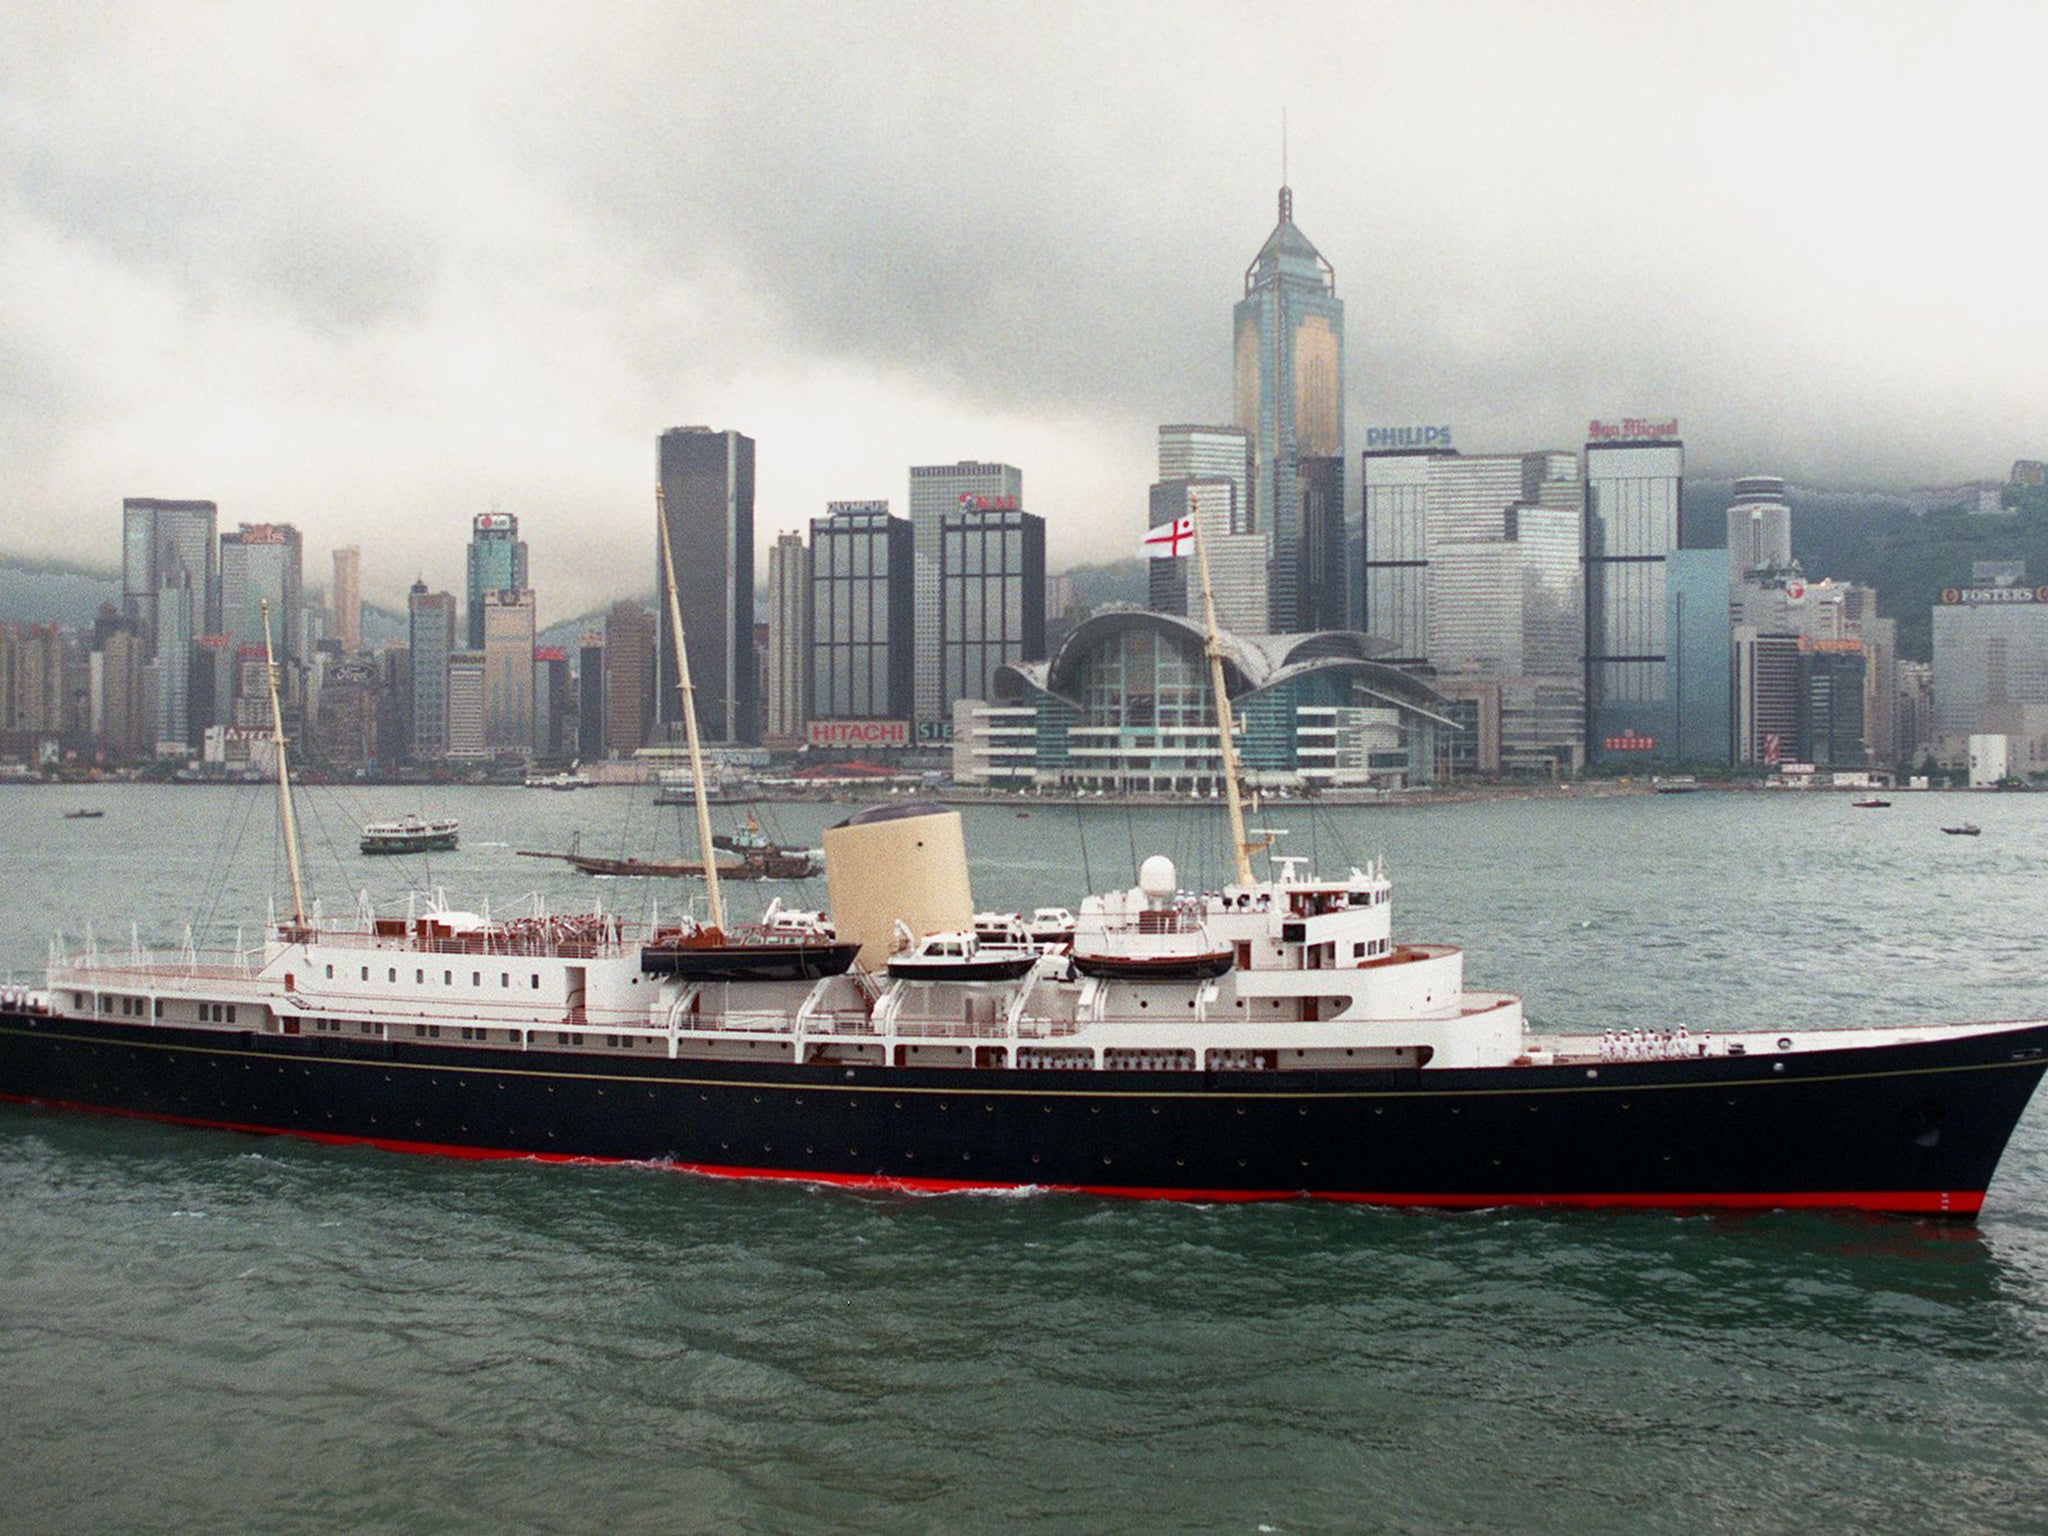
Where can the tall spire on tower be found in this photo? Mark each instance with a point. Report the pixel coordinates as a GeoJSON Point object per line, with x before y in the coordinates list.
{"type": "Point", "coordinates": [1286, 192]}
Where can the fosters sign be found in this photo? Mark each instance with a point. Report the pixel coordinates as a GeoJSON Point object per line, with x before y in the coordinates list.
{"type": "Point", "coordinates": [1974, 596]}
{"type": "Point", "coordinates": [860, 733]}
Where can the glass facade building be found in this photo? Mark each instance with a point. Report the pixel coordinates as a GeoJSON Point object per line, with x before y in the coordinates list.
{"type": "Point", "coordinates": [1188, 451]}
{"type": "Point", "coordinates": [1126, 705]}
{"type": "Point", "coordinates": [177, 605]}
{"type": "Point", "coordinates": [937, 490]}
{"type": "Point", "coordinates": [629, 639]}
{"type": "Point", "coordinates": [1990, 652]}
{"type": "Point", "coordinates": [1473, 572]}
{"type": "Point", "coordinates": [991, 597]}
{"type": "Point", "coordinates": [430, 636]}
{"type": "Point", "coordinates": [261, 563]}
{"type": "Point", "coordinates": [1237, 559]}
{"type": "Point", "coordinates": [863, 605]}
{"type": "Point", "coordinates": [1288, 351]}
{"type": "Point", "coordinates": [159, 537]}
{"type": "Point", "coordinates": [1396, 502]}
{"type": "Point", "coordinates": [1633, 493]}
{"type": "Point", "coordinates": [707, 484]}
{"type": "Point", "coordinates": [508, 671]}
{"type": "Point", "coordinates": [497, 563]}
{"type": "Point", "coordinates": [1699, 630]}
{"type": "Point", "coordinates": [789, 637]}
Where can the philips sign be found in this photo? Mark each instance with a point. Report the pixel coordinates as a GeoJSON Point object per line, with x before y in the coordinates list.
{"type": "Point", "coordinates": [1406, 437]}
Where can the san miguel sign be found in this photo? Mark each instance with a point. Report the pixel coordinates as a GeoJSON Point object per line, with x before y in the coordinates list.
{"type": "Point", "coordinates": [1634, 429]}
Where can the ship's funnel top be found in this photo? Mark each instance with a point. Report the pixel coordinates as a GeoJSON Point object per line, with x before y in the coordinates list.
{"type": "Point", "coordinates": [1157, 879]}
{"type": "Point", "coordinates": [897, 864]}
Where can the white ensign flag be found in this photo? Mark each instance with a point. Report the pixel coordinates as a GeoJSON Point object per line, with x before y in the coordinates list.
{"type": "Point", "coordinates": [1170, 539]}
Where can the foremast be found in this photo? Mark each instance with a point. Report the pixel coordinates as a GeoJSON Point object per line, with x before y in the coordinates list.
{"type": "Point", "coordinates": [715, 899]}
{"type": "Point", "coordinates": [284, 788]}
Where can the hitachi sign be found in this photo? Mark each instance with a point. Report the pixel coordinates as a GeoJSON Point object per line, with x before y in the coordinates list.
{"type": "Point", "coordinates": [1407, 437]}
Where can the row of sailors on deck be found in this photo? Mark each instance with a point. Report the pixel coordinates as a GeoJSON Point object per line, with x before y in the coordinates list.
{"type": "Point", "coordinates": [16, 998]}
{"type": "Point", "coordinates": [1654, 1044]}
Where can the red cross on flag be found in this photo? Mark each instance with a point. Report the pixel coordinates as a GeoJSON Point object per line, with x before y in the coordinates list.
{"type": "Point", "coordinates": [1169, 540]}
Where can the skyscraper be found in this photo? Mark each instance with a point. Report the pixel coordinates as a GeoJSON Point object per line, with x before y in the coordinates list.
{"type": "Point", "coordinates": [1473, 573]}
{"type": "Point", "coordinates": [863, 602]}
{"type": "Point", "coordinates": [1759, 530]}
{"type": "Point", "coordinates": [1188, 451]}
{"type": "Point", "coordinates": [1289, 354]}
{"type": "Point", "coordinates": [991, 597]}
{"type": "Point", "coordinates": [707, 486]}
{"type": "Point", "coordinates": [629, 632]}
{"type": "Point", "coordinates": [1635, 472]}
{"type": "Point", "coordinates": [1211, 471]}
{"type": "Point", "coordinates": [431, 639]}
{"type": "Point", "coordinates": [497, 563]}
{"type": "Point", "coordinates": [158, 537]}
{"type": "Point", "coordinates": [1237, 560]}
{"type": "Point", "coordinates": [590, 696]}
{"type": "Point", "coordinates": [789, 635]}
{"type": "Point", "coordinates": [937, 490]}
{"type": "Point", "coordinates": [176, 602]}
{"type": "Point", "coordinates": [467, 707]}
{"type": "Point", "coordinates": [508, 671]}
{"type": "Point", "coordinates": [263, 563]}
{"type": "Point", "coordinates": [348, 599]}
{"type": "Point", "coordinates": [554, 700]}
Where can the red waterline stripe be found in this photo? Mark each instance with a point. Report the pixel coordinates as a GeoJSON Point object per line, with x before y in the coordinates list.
{"type": "Point", "coordinates": [1919, 1202]}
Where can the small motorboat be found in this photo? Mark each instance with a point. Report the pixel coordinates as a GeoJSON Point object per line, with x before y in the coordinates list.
{"type": "Point", "coordinates": [1871, 803]}
{"type": "Point", "coordinates": [786, 945]}
{"type": "Point", "coordinates": [1963, 829]}
{"type": "Point", "coordinates": [1051, 926]}
{"type": "Point", "coordinates": [83, 814]}
{"type": "Point", "coordinates": [961, 957]}
{"type": "Point", "coordinates": [1177, 964]}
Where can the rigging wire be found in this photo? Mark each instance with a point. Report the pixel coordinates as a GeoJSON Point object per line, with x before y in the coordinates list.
{"type": "Point", "coordinates": [226, 854]}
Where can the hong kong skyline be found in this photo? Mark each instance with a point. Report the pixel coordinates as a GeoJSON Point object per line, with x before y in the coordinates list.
{"type": "Point", "coordinates": [373, 273]}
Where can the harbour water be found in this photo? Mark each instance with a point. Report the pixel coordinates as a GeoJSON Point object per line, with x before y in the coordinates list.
{"type": "Point", "coordinates": [211, 1331]}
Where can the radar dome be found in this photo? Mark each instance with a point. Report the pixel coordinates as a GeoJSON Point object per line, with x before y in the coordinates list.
{"type": "Point", "coordinates": [1156, 877]}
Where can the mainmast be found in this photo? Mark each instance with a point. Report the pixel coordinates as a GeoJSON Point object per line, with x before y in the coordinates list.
{"type": "Point", "coordinates": [284, 788]}
{"type": "Point", "coordinates": [715, 899]}
{"type": "Point", "coordinates": [1240, 846]}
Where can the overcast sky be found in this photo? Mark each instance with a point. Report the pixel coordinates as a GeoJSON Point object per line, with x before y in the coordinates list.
{"type": "Point", "coordinates": [372, 269]}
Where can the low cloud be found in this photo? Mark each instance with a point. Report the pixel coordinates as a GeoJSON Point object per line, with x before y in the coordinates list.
{"type": "Point", "coordinates": [374, 271]}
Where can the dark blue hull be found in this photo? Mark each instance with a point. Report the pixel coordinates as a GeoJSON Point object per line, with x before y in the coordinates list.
{"type": "Point", "coordinates": [1910, 1128]}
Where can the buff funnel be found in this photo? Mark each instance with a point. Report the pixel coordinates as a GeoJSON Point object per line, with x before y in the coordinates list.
{"type": "Point", "coordinates": [896, 864]}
